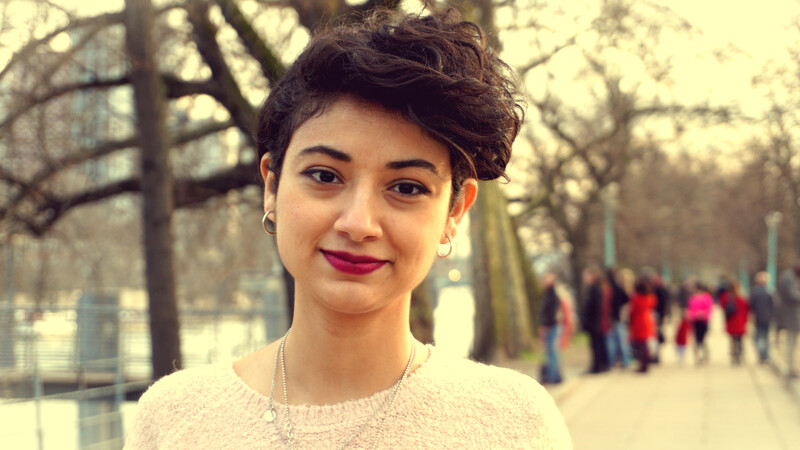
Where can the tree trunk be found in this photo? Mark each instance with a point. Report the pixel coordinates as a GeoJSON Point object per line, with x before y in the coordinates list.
{"type": "Point", "coordinates": [421, 317]}
{"type": "Point", "coordinates": [532, 289]}
{"type": "Point", "coordinates": [483, 343]}
{"type": "Point", "coordinates": [521, 336]}
{"type": "Point", "coordinates": [795, 212]}
{"type": "Point", "coordinates": [500, 287]}
{"type": "Point", "coordinates": [501, 304]}
{"type": "Point", "coordinates": [156, 189]}
{"type": "Point", "coordinates": [577, 259]}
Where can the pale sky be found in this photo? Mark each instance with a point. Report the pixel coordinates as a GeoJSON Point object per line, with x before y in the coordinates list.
{"type": "Point", "coordinates": [757, 28]}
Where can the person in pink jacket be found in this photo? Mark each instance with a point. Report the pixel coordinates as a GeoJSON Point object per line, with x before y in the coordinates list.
{"type": "Point", "coordinates": [699, 311]}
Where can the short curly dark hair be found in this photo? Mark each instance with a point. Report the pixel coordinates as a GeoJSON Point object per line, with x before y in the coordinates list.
{"type": "Point", "coordinates": [437, 70]}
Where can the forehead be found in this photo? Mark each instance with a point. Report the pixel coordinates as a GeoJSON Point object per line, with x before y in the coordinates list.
{"type": "Point", "coordinates": [366, 130]}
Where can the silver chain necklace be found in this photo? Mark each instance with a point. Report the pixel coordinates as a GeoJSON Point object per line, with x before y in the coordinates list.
{"type": "Point", "coordinates": [287, 436]}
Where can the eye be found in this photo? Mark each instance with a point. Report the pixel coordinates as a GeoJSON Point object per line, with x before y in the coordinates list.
{"type": "Point", "coordinates": [322, 176]}
{"type": "Point", "coordinates": [409, 189]}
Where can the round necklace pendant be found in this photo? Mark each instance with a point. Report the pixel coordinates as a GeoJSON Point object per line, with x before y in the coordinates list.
{"type": "Point", "coordinates": [270, 415]}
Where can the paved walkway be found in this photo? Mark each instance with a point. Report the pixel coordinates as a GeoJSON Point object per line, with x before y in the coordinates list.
{"type": "Point", "coordinates": [713, 406]}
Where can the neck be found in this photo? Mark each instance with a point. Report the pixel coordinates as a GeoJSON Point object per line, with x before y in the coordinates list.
{"type": "Point", "coordinates": [332, 357]}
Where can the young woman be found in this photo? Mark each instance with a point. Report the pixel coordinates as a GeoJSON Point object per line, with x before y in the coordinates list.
{"type": "Point", "coordinates": [371, 147]}
{"type": "Point", "coordinates": [700, 305]}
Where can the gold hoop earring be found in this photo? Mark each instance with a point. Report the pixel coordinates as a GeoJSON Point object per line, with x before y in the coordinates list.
{"type": "Point", "coordinates": [449, 249]}
{"type": "Point", "coordinates": [269, 225]}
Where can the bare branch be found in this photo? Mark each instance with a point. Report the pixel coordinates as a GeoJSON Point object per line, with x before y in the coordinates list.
{"type": "Point", "coordinates": [271, 65]}
{"type": "Point", "coordinates": [188, 192]}
{"type": "Point", "coordinates": [314, 14]}
{"type": "Point", "coordinates": [229, 95]}
{"type": "Point", "coordinates": [554, 124]}
{"type": "Point", "coordinates": [58, 92]}
{"type": "Point", "coordinates": [176, 88]}
{"type": "Point", "coordinates": [545, 58]}
{"type": "Point", "coordinates": [30, 187]}
{"type": "Point", "coordinates": [101, 21]}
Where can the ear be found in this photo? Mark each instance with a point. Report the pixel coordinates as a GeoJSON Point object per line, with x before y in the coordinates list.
{"type": "Point", "coordinates": [269, 183]}
{"type": "Point", "coordinates": [469, 191]}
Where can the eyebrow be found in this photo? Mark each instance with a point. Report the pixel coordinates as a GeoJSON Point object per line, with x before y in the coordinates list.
{"type": "Point", "coordinates": [342, 156]}
{"type": "Point", "coordinates": [325, 150]}
{"type": "Point", "coordinates": [420, 163]}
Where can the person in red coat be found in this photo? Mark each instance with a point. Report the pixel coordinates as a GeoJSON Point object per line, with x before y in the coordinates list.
{"type": "Point", "coordinates": [736, 310]}
{"type": "Point", "coordinates": [642, 322]}
{"type": "Point", "coordinates": [682, 337]}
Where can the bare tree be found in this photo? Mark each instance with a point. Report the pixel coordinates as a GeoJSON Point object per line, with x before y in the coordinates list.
{"type": "Point", "coordinates": [579, 150]}
{"type": "Point", "coordinates": [780, 143]}
{"type": "Point", "coordinates": [211, 53]}
{"type": "Point", "coordinates": [39, 195]}
{"type": "Point", "coordinates": [156, 189]}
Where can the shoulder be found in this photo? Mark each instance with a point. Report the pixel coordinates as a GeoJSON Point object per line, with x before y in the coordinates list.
{"type": "Point", "coordinates": [186, 385]}
{"type": "Point", "coordinates": [469, 392]}
{"type": "Point", "coordinates": [447, 371]}
{"type": "Point", "coordinates": [168, 402]}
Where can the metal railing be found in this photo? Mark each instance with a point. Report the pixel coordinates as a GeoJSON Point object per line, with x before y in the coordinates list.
{"type": "Point", "coordinates": [87, 345]}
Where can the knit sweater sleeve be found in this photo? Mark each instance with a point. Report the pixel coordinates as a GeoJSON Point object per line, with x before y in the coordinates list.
{"type": "Point", "coordinates": [149, 420]}
{"type": "Point", "coordinates": [528, 416]}
{"type": "Point", "coordinates": [544, 423]}
{"type": "Point", "coordinates": [465, 404]}
{"type": "Point", "coordinates": [186, 407]}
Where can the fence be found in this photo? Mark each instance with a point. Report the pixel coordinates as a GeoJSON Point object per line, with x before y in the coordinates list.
{"type": "Point", "coordinates": [84, 361]}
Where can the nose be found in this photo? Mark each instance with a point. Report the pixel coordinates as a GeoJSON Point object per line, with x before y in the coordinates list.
{"type": "Point", "coordinates": [359, 217]}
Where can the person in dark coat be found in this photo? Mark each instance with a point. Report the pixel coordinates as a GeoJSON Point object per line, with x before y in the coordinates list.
{"type": "Point", "coordinates": [617, 343]}
{"type": "Point", "coordinates": [662, 311]}
{"type": "Point", "coordinates": [685, 292]}
{"type": "Point", "coordinates": [788, 313]}
{"type": "Point", "coordinates": [762, 307]}
{"type": "Point", "coordinates": [593, 320]}
{"type": "Point", "coordinates": [550, 329]}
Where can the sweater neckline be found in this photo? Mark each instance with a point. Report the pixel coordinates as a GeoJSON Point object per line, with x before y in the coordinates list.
{"type": "Point", "coordinates": [315, 416]}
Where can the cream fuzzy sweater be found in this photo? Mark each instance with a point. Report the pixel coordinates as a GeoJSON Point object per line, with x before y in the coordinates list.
{"type": "Point", "coordinates": [445, 403]}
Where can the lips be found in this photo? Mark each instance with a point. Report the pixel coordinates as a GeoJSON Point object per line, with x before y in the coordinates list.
{"type": "Point", "coordinates": [353, 264]}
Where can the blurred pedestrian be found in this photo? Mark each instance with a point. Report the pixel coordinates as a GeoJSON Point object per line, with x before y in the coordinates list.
{"type": "Point", "coordinates": [762, 305]}
{"type": "Point", "coordinates": [682, 336]}
{"type": "Point", "coordinates": [700, 306]}
{"type": "Point", "coordinates": [686, 290]}
{"type": "Point", "coordinates": [642, 322]}
{"type": "Point", "coordinates": [618, 346]}
{"type": "Point", "coordinates": [592, 319]}
{"type": "Point", "coordinates": [736, 310]}
{"type": "Point", "coordinates": [567, 315]}
{"type": "Point", "coordinates": [661, 311]}
{"type": "Point", "coordinates": [550, 328]}
{"type": "Point", "coordinates": [788, 313]}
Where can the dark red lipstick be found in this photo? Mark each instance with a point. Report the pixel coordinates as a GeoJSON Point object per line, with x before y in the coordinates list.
{"type": "Point", "coordinates": [353, 264]}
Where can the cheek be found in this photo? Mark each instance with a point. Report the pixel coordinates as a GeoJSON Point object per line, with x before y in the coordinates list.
{"type": "Point", "coordinates": [298, 221]}
{"type": "Point", "coordinates": [420, 234]}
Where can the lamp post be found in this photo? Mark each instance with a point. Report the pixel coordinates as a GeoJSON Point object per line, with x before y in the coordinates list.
{"type": "Point", "coordinates": [744, 276]}
{"type": "Point", "coordinates": [610, 202]}
{"type": "Point", "coordinates": [773, 219]}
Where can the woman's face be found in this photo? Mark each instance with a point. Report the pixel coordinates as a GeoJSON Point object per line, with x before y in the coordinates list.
{"type": "Point", "coordinates": [362, 206]}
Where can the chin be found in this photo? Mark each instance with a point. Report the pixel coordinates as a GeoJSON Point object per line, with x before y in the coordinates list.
{"type": "Point", "coordinates": [354, 300]}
